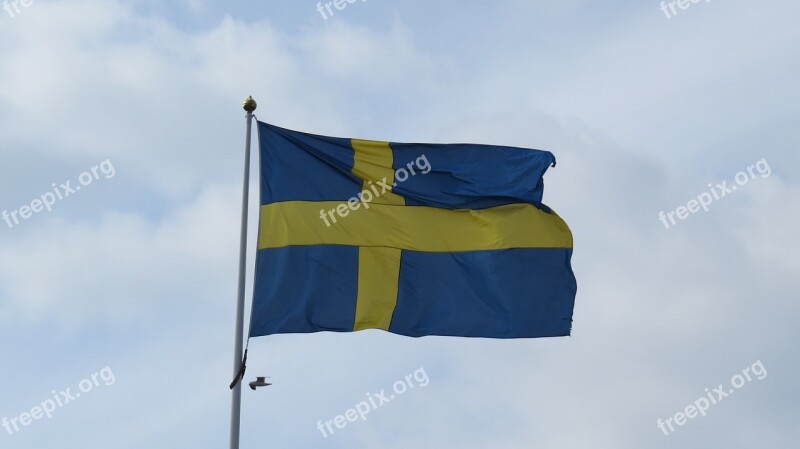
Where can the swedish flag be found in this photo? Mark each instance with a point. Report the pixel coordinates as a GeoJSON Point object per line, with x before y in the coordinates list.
{"type": "Point", "coordinates": [414, 239]}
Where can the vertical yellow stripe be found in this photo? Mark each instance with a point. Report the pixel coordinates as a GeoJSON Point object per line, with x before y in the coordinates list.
{"type": "Point", "coordinates": [378, 276]}
{"type": "Point", "coordinates": [373, 161]}
{"type": "Point", "coordinates": [378, 267]}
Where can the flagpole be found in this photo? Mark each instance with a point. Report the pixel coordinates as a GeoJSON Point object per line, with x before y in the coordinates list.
{"type": "Point", "coordinates": [236, 402]}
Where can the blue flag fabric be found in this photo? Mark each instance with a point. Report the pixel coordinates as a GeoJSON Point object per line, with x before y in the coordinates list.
{"type": "Point", "coordinates": [414, 239]}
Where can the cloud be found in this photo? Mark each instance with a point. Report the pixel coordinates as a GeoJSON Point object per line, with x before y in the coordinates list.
{"type": "Point", "coordinates": [123, 267]}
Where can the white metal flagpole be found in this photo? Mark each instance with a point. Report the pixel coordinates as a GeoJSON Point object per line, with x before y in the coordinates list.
{"type": "Point", "coordinates": [238, 364]}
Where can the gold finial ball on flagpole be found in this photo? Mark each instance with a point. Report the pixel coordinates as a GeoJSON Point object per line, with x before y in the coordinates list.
{"type": "Point", "coordinates": [249, 104]}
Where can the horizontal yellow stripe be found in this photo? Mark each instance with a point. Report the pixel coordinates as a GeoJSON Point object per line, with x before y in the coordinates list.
{"type": "Point", "coordinates": [415, 228]}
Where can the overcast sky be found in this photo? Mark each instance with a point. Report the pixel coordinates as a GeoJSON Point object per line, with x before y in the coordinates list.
{"type": "Point", "coordinates": [132, 279]}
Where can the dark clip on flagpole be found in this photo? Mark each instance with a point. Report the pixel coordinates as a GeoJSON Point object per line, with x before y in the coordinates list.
{"type": "Point", "coordinates": [242, 369]}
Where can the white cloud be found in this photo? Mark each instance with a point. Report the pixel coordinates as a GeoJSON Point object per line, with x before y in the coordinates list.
{"type": "Point", "coordinates": [124, 267]}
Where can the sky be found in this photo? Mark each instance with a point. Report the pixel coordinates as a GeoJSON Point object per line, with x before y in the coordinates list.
{"type": "Point", "coordinates": [117, 304]}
